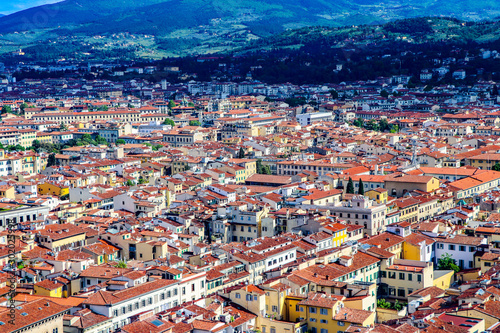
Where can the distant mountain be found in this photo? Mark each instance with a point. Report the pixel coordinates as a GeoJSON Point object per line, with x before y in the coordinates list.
{"type": "Point", "coordinates": [159, 28]}
{"type": "Point", "coordinates": [263, 16]}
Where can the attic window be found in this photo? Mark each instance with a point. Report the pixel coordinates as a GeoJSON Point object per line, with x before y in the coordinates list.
{"type": "Point", "coordinates": [24, 314]}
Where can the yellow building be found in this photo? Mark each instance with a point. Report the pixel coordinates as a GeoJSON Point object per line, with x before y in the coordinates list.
{"type": "Point", "coordinates": [408, 208]}
{"type": "Point", "coordinates": [380, 195]}
{"type": "Point", "coordinates": [26, 137]}
{"type": "Point", "coordinates": [338, 232]}
{"type": "Point", "coordinates": [238, 172]}
{"type": "Point", "coordinates": [417, 247]}
{"type": "Point", "coordinates": [443, 278]}
{"type": "Point", "coordinates": [326, 313]}
{"type": "Point", "coordinates": [400, 184]}
{"type": "Point", "coordinates": [58, 237]}
{"type": "Point", "coordinates": [49, 288]}
{"type": "Point", "coordinates": [250, 165]}
{"type": "Point", "coordinates": [7, 191]}
{"type": "Point", "coordinates": [53, 189]}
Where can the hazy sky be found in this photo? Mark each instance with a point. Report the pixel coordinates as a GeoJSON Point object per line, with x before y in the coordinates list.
{"type": "Point", "coordinates": [11, 6]}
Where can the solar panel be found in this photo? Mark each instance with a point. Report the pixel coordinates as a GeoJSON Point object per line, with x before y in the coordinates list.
{"type": "Point", "coordinates": [157, 322]}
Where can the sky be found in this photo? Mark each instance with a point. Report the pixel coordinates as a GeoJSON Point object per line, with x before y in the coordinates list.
{"type": "Point", "coordinates": [12, 6]}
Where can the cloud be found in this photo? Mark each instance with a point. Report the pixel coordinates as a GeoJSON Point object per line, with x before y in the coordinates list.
{"type": "Point", "coordinates": [12, 6]}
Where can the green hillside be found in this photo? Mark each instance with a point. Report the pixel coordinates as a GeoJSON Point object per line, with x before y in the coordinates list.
{"type": "Point", "coordinates": [92, 29]}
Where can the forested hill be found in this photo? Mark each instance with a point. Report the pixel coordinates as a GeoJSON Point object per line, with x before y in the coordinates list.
{"type": "Point", "coordinates": [412, 31]}
{"type": "Point", "coordinates": [261, 16]}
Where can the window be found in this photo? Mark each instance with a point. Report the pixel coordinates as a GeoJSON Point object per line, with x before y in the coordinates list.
{"type": "Point", "coordinates": [324, 330]}
{"type": "Point", "coordinates": [410, 276]}
{"type": "Point", "coordinates": [341, 323]}
{"type": "Point", "coordinates": [323, 311]}
{"type": "Point", "coordinates": [184, 290]}
{"type": "Point", "coordinates": [461, 248]}
{"type": "Point", "coordinates": [451, 247]}
{"type": "Point", "coordinates": [419, 278]}
{"type": "Point", "coordinates": [401, 276]}
{"type": "Point", "coordinates": [275, 308]}
{"type": "Point", "coordinates": [249, 297]}
{"type": "Point", "coordinates": [471, 264]}
{"type": "Point", "coordinates": [472, 248]}
{"type": "Point", "coordinates": [312, 310]}
{"type": "Point", "coordinates": [313, 320]}
{"type": "Point", "coordinates": [324, 321]}
{"type": "Point", "coordinates": [238, 295]}
{"type": "Point", "coordinates": [401, 292]}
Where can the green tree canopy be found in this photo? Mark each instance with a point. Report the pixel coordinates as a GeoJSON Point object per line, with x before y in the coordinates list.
{"type": "Point", "coordinates": [121, 264]}
{"type": "Point", "coordinates": [6, 109]}
{"type": "Point", "coordinates": [384, 93]}
{"type": "Point", "coordinates": [168, 121]}
{"type": "Point", "coordinates": [171, 104]}
{"type": "Point", "coordinates": [496, 167]}
{"type": "Point", "coordinates": [194, 123]}
{"type": "Point", "coordinates": [448, 263]}
{"type": "Point", "coordinates": [129, 183]}
{"type": "Point", "coordinates": [350, 186]}
{"type": "Point", "coordinates": [361, 188]}
{"type": "Point", "coordinates": [51, 160]}
{"type": "Point", "coordinates": [241, 153]}
{"type": "Point", "coordinates": [120, 142]}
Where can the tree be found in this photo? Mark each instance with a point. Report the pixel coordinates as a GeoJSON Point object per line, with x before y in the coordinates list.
{"type": "Point", "coordinates": [494, 91]}
{"type": "Point", "coordinates": [63, 127]}
{"type": "Point", "coordinates": [120, 142]}
{"type": "Point", "coordinates": [359, 122]}
{"type": "Point", "coordinates": [448, 263]}
{"type": "Point", "coordinates": [395, 129]}
{"type": "Point", "coordinates": [241, 153]}
{"type": "Point", "coordinates": [171, 104]}
{"type": "Point", "coordinates": [384, 93]}
{"type": "Point", "coordinates": [142, 180]}
{"type": "Point", "coordinates": [361, 188]}
{"type": "Point", "coordinates": [350, 186]}
{"type": "Point", "coordinates": [129, 183]}
{"type": "Point", "coordinates": [266, 170]}
{"type": "Point", "coordinates": [382, 303]}
{"type": "Point", "coordinates": [168, 121]}
{"type": "Point", "coordinates": [121, 264]}
{"type": "Point", "coordinates": [334, 94]}
{"type": "Point", "coordinates": [258, 166]}
{"type": "Point", "coordinates": [157, 147]}
{"type": "Point", "coordinates": [6, 109]}
{"type": "Point", "coordinates": [194, 123]}
{"type": "Point", "coordinates": [36, 144]}
{"type": "Point", "coordinates": [496, 167]}
{"type": "Point", "coordinates": [372, 125]}
{"type": "Point", "coordinates": [51, 160]}
{"type": "Point", "coordinates": [101, 140]}
{"type": "Point", "coordinates": [383, 125]}
{"type": "Point", "coordinates": [23, 107]}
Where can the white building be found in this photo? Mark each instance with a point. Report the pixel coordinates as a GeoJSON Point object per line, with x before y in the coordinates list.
{"type": "Point", "coordinates": [310, 118]}
{"type": "Point", "coordinates": [460, 248]}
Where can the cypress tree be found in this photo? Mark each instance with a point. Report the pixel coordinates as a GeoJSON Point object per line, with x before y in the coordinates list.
{"type": "Point", "coordinates": [361, 189]}
{"type": "Point", "coordinates": [350, 186]}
